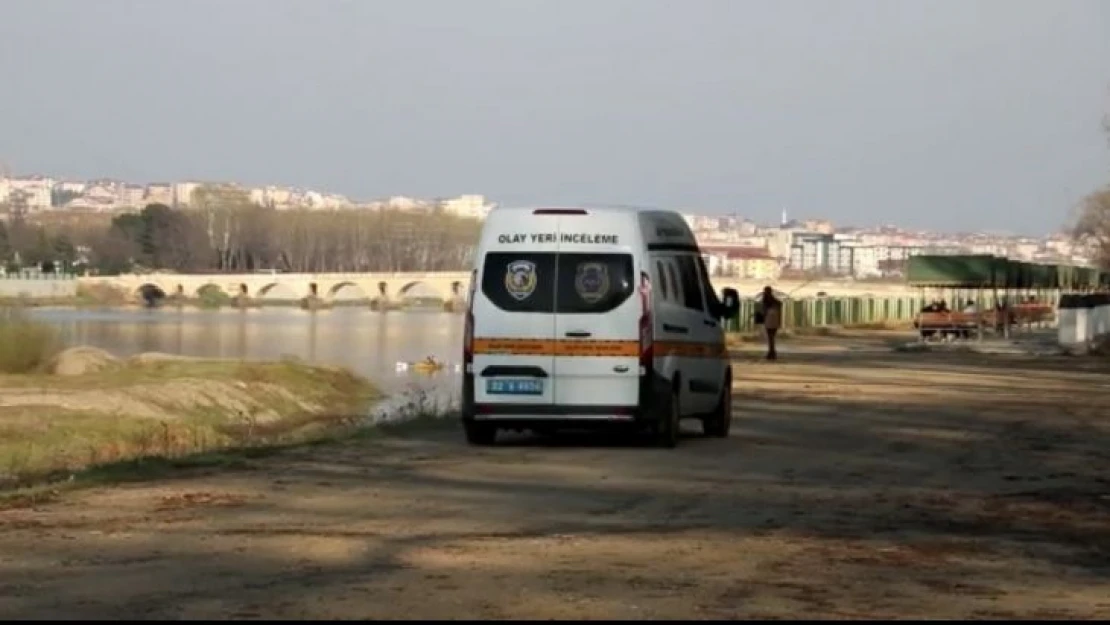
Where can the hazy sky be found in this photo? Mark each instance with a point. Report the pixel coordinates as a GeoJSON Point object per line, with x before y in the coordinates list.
{"type": "Point", "coordinates": [946, 114]}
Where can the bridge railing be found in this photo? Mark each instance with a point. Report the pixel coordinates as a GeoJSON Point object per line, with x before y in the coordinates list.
{"type": "Point", "coordinates": [22, 275]}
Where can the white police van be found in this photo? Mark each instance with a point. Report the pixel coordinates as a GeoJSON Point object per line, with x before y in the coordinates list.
{"type": "Point", "coordinates": [580, 317]}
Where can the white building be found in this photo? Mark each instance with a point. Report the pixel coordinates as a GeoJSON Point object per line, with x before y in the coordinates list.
{"type": "Point", "coordinates": [159, 193]}
{"type": "Point", "coordinates": [130, 196]}
{"type": "Point", "coordinates": [71, 186]}
{"type": "Point", "coordinates": [183, 193]}
{"type": "Point", "coordinates": [36, 191]}
{"type": "Point", "coordinates": [470, 206]}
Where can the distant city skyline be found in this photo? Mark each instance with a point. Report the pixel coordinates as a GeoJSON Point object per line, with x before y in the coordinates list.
{"type": "Point", "coordinates": [331, 199]}
{"type": "Point", "coordinates": [947, 117]}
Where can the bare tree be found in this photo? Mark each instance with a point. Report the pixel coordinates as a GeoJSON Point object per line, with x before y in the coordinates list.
{"type": "Point", "coordinates": [1092, 229]}
{"type": "Point", "coordinates": [223, 231]}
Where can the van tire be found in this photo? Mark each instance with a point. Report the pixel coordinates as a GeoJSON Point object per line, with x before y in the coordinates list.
{"type": "Point", "coordinates": [719, 423]}
{"type": "Point", "coordinates": [667, 429]}
{"type": "Point", "coordinates": [480, 434]}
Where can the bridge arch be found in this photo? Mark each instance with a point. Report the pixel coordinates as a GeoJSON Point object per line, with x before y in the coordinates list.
{"type": "Point", "coordinates": [353, 289]}
{"type": "Point", "coordinates": [419, 289]}
{"type": "Point", "coordinates": [277, 291]}
{"type": "Point", "coordinates": [151, 292]}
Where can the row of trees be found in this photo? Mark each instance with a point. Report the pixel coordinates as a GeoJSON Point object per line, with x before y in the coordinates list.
{"type": "Point", "coordinates": [224, 232]}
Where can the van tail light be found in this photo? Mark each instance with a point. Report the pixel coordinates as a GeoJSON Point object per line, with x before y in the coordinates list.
{"type": "Point", "coordinates": [468, 329]}
{"type": "Point", "coordinates": [647, 327]}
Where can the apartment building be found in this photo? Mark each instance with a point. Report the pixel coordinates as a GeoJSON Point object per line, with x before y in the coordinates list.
{"type": "Point", "coordinates": [748, 263]}
{"type": "Point", "coordinates": [33, 193]}
{"type": "Point", "coordinates": [131, 196]}
{"type": "Point", "coordinates": [159, 193]}
{"type": "Point", "coordinates": [183, 193]}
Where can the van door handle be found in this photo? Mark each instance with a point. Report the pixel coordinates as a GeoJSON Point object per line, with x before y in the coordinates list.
{"type": "Point", "coordinates": [676, 329]}
{"type": "Point", "coordinates": [578, 334]}
{"type": "Point", "coordinates": [710, 323]}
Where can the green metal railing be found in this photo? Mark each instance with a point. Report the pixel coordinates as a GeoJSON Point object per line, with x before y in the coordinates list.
{"type": "Point", "coordinates": [813, 312]}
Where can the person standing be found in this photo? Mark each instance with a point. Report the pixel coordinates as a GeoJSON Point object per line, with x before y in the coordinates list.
{"type": "Point", "coordinates": [771, 307]}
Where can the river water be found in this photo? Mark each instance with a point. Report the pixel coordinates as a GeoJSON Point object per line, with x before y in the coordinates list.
{"type": "Point", "coordinates": [367, 342]}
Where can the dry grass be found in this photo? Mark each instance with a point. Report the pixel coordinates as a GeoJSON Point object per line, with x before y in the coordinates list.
{"type": "Point", "coordinates": [25, 345]}
{"type": "Point", "coordinates": [101, 294]}
{"type": "Point", "coordinates": [47, 441]}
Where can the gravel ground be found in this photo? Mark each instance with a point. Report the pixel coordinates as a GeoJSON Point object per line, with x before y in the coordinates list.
{"type": "Point", "coordinates": [856, 483]}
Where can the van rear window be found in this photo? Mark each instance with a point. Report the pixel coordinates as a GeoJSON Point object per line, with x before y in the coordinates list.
{"type": "Point", "coordinates": [563, 283]}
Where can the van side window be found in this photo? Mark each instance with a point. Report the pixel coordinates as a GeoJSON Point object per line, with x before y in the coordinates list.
{"type": "Point", "coordinates": [712, 302]}
{"type": "Point", "coordinates": [691, 291]}
{"type": "Point", "coordinates": [663, 284]}
{"type": "Point", "coordinates": [676, 284]}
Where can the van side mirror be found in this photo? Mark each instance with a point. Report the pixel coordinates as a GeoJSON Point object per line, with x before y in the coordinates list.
{"type": "Point", "coordinates": [730, 303]}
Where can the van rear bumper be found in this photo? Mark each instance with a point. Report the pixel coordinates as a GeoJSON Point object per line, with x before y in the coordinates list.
{"type": "Point", "coordinates": [532, 412]}
{"type": "Point", "coordinates": [654, 393]}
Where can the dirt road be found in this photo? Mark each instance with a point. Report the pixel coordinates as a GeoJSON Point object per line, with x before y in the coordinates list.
{"type": "Point", "coordinates": [854, 484]}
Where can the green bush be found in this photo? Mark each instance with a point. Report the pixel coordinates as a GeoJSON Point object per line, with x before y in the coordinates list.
{"type": "Point", "coordinates": [25, 345]}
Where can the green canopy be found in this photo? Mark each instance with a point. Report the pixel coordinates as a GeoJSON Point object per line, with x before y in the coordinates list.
{"type": "Point", "coordinates": [984, 270]}
{"type": "Point", "coordinates": [968, 271]}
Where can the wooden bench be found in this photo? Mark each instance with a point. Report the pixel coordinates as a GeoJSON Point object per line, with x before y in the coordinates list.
{"type": "Point", "coordinates": [1021, 314]}
{"type": "Point", "coordinates": [1033, 313]}
{"type": "Point", "coordinates": [947, 323]}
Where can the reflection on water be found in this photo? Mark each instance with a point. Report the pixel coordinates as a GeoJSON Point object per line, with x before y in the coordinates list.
{"type": "Point", "coordinates": [367, 342]}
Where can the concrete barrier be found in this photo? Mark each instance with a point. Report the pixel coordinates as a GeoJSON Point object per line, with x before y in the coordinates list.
{"type": "Point", "coordinates": [1084, 319]}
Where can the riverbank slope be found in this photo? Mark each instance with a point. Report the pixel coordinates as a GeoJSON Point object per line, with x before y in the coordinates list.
{"type": "Point", "coordinates": [92, 410]}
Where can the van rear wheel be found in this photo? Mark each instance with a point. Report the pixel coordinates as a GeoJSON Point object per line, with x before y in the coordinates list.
{"type": "Point", "coordinates": [719, 423]}
{"type": "Point", "coordinates": [481, 434]}
{"type": "Point", "coordinates": [667, 429]}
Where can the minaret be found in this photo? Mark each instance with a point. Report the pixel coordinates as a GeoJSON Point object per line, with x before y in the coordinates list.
{"type": "Point", "coordinates": [784, 217]}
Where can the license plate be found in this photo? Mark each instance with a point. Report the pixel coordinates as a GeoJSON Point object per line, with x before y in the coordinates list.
{"type": "Point", "coordinates": [514, 387]}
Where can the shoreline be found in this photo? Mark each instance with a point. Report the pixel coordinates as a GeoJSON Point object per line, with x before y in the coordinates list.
{"type": "Point", "coordinates": [94, 418]}
{"type": "Point", "coordinates": [83, 303]}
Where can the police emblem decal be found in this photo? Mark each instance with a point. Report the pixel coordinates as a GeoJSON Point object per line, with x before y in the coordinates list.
{"type": "Point", "coordinates": [591, 282]}
{"type": "Point", "coordinates": [520, 279]}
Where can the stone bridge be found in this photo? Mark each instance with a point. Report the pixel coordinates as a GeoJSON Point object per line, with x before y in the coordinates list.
{"type": "Point", "coordinates": [446, 286]}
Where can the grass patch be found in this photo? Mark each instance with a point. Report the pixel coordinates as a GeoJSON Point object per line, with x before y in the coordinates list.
{"type": "Point", "coordinates": [212, 297]}
{"type": "Point", "coordinates": [420, 411]}
{"type": "Point", "coordinates": [101, 295]}
{"type": "Point", "coordinates": [25, 345]}
{"type": "Point", "coordinates": [47, 444]}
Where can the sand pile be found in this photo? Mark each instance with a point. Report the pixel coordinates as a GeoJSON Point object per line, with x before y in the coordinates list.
{"type": "Point", "coordinates": [82, 360]}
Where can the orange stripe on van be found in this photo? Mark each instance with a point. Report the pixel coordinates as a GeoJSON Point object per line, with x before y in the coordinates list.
{"type": "Point", "coordinates": [577, 347]}
{"type": "Point", "coordinates": [514, 347]}
{"type": "Point", "coordinates": [536, 347]}
{"type": "Point", "coordinates": [689, 349]}
{"type": "Point", "coordinates": [630, 349]}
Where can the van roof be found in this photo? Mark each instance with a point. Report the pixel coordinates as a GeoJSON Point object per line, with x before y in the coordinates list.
{"type": "Point", "coordinates": [654, 226]}
{"type": "Point", "coordinates": [593, 208]}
